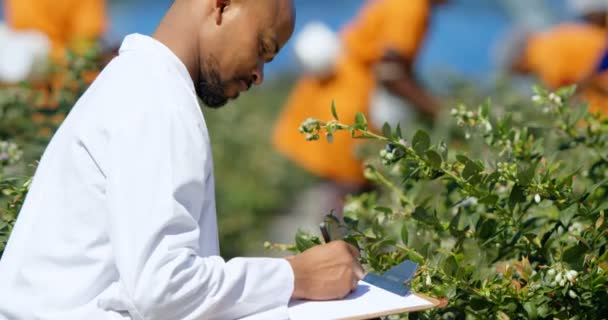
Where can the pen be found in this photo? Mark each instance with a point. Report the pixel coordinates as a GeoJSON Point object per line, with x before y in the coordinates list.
{"type": "Point", "coordinates": [324, 232]}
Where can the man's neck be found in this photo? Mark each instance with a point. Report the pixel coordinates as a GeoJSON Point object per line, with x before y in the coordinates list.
{"type": "Point", "coordinates": [176, 31]}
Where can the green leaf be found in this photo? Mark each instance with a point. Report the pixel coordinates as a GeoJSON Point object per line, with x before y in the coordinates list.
{"type": "Point", "coordinates": [353, 223]}
{"type": "Point", "coordinates": [591, 190]}
{"type": "Point", "coordinates": [421, 214]}
{"type": "Point", "coordinates": [525, 175]}
{"type": "Point", "coordinates": [492, 178]}
{"type": "Point", "coordinates": [421, 142]}
{"type": "Point", "coordinates": [305, 241]}
{"type": "Point", "coordinates": [331, 217]}
{"type": "Point", "coordinates": [517, 195]}
{"type": "Point", "coordinates": [330, 138]}
{"type": "Point", "coordinates": [489, 200]}
{"type": "Point", "coordinates": [415, 257]}
{"type": "Point", "coordinates": [566, 92]}
{"type": "Point", "coordinates": [333, 110]}
{"type": "Point", "coordinates": [567, 214]}
{"type": "Point", "coordinates": [484, 109]}
{"type": "Point", "coordinates": [404, 234]}
{"type": "Point", "coordinates": [360, 121]}
{"type": "Point", "coordinates": [384, 210]}
{"type": "Point", "coordinates": [454, 224]}
{"type": "Point", "coordinates": [478, 303]}
{"type": "Point", "coordinates": [487, 229]}
{"type": "Point", "coordinates": [543, 310]}
{"type": "Point", "coordinates": [470, 170]}
{"type": "Point", "coordinates": [382, 244]}
{"type": "Point", "coordinates": [450, 266]}
{"type": "Point", "coordinates": [398, 131]}
{"type": "Point", "coordinates": [575, 256]}
{"type": "Point", "coordinates": [463, 159]}
{"type": "Point", "coordinates": [434, 159]}
{"type": "Point", "coordinates": [538, 90]}
{"type": "Point", "coordinates": [352, 240]}
{"type": "Point", "coordinates": [386, 130]}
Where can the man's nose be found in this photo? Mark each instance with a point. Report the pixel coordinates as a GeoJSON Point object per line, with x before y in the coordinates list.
{"type": "Point", "coordinates": [258, 75]}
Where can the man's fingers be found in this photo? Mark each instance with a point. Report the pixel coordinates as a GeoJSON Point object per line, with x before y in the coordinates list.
{"type": "Point", "coordinates": [354, 251]}
{"type": "Point", "coordinates": [354, 284]}
{"type": "Point", "coordinates": [358, 270]}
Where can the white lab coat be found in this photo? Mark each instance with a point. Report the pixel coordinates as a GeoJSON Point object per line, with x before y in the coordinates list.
{"type": "Point", "coordinates": [120, 221]}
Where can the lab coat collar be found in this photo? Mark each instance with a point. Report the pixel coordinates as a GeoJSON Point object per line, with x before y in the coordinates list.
{"type": "Point", "coordinates": [137, 41]}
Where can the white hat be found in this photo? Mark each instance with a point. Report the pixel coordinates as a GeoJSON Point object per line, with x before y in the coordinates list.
{"type": "Point", "coordinates": [22, 54]}
{"type": "Point", "coordinates": [582, 7]}
{"type": "Point", "coordinates": [317, 48]}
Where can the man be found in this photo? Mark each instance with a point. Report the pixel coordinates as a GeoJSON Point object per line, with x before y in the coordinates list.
{"type": "Point", "coordinates": [73, 24]}
{"type": "Point", "coordinates": [570, 53]}
{"type": "Point", "coordinates": [120, 219]}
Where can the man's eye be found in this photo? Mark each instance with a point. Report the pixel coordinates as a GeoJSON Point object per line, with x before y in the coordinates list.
{"type": "Point", "coordinates": [264, 53]}
{"type": "Point", "coordinates": [262, 50]}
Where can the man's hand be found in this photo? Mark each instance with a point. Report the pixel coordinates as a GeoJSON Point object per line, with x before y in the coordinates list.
{"type": "Point", "coordinates": [326, 272]}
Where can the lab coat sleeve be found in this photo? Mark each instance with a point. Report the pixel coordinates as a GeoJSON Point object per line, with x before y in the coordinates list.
{"type": "Point", "coordinates": [156, 174]}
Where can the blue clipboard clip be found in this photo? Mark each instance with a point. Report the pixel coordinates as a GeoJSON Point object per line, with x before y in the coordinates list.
{"type": "Point", "coordinates": [395, 279]}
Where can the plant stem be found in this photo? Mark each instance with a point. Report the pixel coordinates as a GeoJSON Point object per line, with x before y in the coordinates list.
{"type": "Point", "coordinates": [393, 187]}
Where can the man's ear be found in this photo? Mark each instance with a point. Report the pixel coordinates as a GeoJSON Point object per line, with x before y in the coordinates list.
{"type": "Point", "coordinates": [220, 7]}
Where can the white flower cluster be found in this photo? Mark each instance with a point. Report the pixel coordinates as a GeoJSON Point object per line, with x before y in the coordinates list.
{"type": "Point", "coordinates": [310, 127]}
{"type": "Point", "coordinates": [353, 206]}
{"type": "Point", "coordinates": [548, 101]}
{"type": "Point", "coordinates": [563, 278]}
{"type": "Point", "coordinates": [555, 99]}
{"type": "Point", "coordinates": [575, 230]}
{"type": "Point", "coordinates": [471, 119]}
{"type": "Point", "coordinates": [391, 154]}
{"type": "Point", "coordinates": [506, 170]}
{"type": "Point", "coordinates": [9, 153]}
{"type": "Point", "coordinates": [387, 155]}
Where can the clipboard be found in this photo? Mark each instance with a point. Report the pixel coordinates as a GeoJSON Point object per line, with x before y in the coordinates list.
{"type": "Point", "coordinates": [375, 296]}
{"type": "Point", "coordinates": [367, 302]}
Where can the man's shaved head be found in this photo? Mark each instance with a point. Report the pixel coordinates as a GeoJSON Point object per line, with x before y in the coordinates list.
{"type": "Point", "coordinates": [225, 43]}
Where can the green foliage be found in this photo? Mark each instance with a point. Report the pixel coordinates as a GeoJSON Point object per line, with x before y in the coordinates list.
{"type": "Point", "coordinates": [509, 224]}
{"type": "Point", "coordinates": [11, 192]}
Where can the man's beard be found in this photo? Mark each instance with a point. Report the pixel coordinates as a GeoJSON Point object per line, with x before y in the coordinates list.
{"type": "Point", "coordinates": [210, 89]}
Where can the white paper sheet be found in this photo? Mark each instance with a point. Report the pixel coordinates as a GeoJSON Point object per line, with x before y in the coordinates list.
{"type": "Point", "coordinates": [364, 302]}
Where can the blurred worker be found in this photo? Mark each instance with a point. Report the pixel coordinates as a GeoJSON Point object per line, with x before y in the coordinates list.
{"type": "Point", "coordinates": [570, 53]}
{"type": "Point", "coordinates": [376, 54]}
{"type": "Point", "coordinates": [73, 24]}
